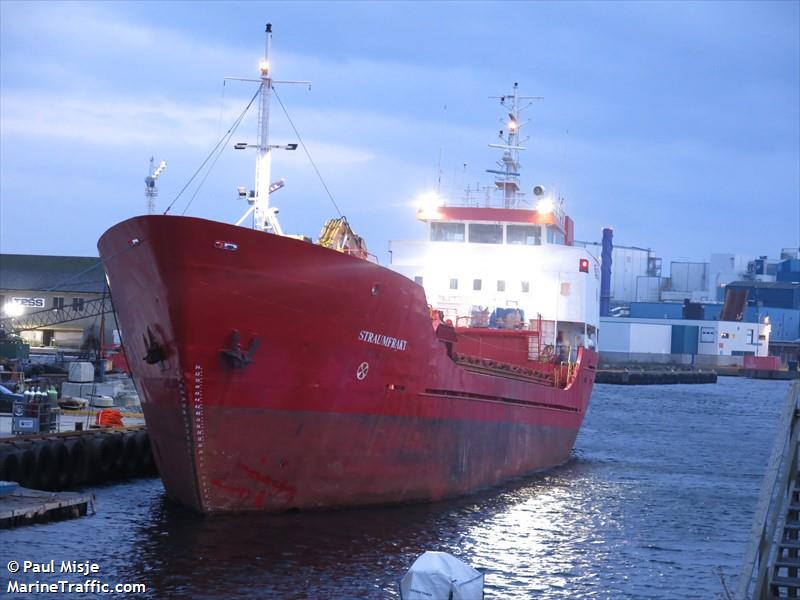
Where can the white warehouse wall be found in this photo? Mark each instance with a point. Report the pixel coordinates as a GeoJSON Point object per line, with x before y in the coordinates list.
{"type": "Point", "coordinates": [652, 339]}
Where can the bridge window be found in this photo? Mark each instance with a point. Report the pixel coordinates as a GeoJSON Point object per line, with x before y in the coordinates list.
{"type": "Point", "coordinates": [526, 287]}
{"type": "Point", "coordinates": [77, 304]}
{"type": "Point", "coordinates": [501, 285]}
{"type": "Point", "coordinates": [454, 284]}
{"type": "Point", "coordinates": [554, 236]}
{"type": "Point", "coordinates": [485, 233]}
{"type": "Point", "coordinates": [476, 285]}
{"type": "Point", "coordinates": [447, 232]}
{"type": "Point", "coordinates": [58, 302]}
{"type": "Point", "coordinates": [530, 235]}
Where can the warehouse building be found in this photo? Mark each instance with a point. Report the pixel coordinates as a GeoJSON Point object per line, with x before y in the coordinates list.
{"type": "Point", "coordinates": [54, 300]}
{"type": "Point", "coordinates": [681, 341]}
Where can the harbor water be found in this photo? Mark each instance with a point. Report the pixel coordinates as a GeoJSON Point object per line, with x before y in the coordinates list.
{"type": "Point", "coordinates": [657, 502]}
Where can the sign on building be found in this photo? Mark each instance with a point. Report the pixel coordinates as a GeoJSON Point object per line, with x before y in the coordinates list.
{"type": "Point", "coordinates": [29, 302]}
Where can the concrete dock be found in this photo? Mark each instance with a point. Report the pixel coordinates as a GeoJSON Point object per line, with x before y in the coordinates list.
{"type": "Point", "coordinates": [70, 420]}
{"type": "Point", "coordinates": [640, 376]}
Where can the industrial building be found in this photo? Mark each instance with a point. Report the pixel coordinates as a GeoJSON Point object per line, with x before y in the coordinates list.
{"type": "Point", "coordinates": [681, 341]}
{"type": "Point", "coordinates": [635, 274]}
{"type": "Point", "coordinates": [687, 322]}
{"type": "Point", "coordinates": [54, 300]}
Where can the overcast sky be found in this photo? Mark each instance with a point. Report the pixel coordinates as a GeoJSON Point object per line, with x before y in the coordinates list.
{"type": "Point", "coordinates": [675, 123]}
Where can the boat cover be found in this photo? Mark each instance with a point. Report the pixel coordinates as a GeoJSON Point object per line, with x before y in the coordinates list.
{"type": "Point", "coordinates": [441, 576]}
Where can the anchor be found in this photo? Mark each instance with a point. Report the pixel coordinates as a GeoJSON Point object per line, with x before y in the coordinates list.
{"type": "Point", "coordinates": [155, 351]}
{"type": "Point", "coordinates": [236, 357]}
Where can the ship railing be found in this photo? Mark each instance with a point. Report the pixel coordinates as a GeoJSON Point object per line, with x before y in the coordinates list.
{"type": "Point", "coordinates": [544, 374]}
{"type": "Point", "coordinates": [368, 256]}
{"type": "Point", "coordinates": [478, 322]}
{"type": "Point", "coordinates": [480, 199]}
{"type": "Point", "coordinates": [778, 498]}
{"type": "Point", "coordinates": [565, 373]}
{"type": "Point", "coordinates": [464, 321]}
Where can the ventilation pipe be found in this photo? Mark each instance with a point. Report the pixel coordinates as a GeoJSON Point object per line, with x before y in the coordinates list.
{"type": "Point", "coordinates": [605, 271]}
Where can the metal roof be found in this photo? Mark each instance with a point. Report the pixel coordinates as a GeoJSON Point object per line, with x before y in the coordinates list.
{"type": "Point", "coordinates": [51, 273]}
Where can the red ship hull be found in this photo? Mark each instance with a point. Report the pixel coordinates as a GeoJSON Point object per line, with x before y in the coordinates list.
{"type": "Point", "coordinates": [351, 398]}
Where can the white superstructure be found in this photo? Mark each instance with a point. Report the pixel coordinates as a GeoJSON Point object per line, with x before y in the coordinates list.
{"type": "Point", "coordinates": [499, 262]}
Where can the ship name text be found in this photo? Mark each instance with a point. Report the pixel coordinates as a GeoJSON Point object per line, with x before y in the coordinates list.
{"type": "Point", "coordinates": [382, 340]}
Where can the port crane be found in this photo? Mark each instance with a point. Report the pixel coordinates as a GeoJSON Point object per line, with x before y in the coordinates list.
{"type": "Point", "coordinates": [150, 189]}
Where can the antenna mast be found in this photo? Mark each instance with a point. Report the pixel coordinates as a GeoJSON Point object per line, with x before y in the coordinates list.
{"type": "Point", "coordinates": [507, 179]}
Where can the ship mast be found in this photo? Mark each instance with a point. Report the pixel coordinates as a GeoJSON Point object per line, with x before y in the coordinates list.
{"type": "Point", "coordinates": [507, 179]}
{"type": "Point", "coordinates": [265, 217]}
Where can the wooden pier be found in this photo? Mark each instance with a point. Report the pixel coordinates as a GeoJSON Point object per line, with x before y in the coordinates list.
{"type": "Point", "coordinates": [24, 507]}
{"type": "Point", "coordinates": [772, 565]}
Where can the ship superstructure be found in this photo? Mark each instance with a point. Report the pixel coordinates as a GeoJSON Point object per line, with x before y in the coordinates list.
{"type": "Point", "coordinates": [500, 258]}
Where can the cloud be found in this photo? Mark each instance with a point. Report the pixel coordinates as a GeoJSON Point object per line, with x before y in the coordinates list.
{"type": "Point", "coordinates": [108, 121]}
{"type": "Point", "coordinates": [661, 109]}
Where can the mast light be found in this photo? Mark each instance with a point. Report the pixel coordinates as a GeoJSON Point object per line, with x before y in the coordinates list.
{"type": "Point", "coordinates": [264, 66]}
{"type": "Point", "coordinates": [512, 122]}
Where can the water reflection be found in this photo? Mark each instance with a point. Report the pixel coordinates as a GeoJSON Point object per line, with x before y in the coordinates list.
{"type": "Point", "coordinates": [359, 553]}
{"type": "Point", "coordinates": [660, 493]}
